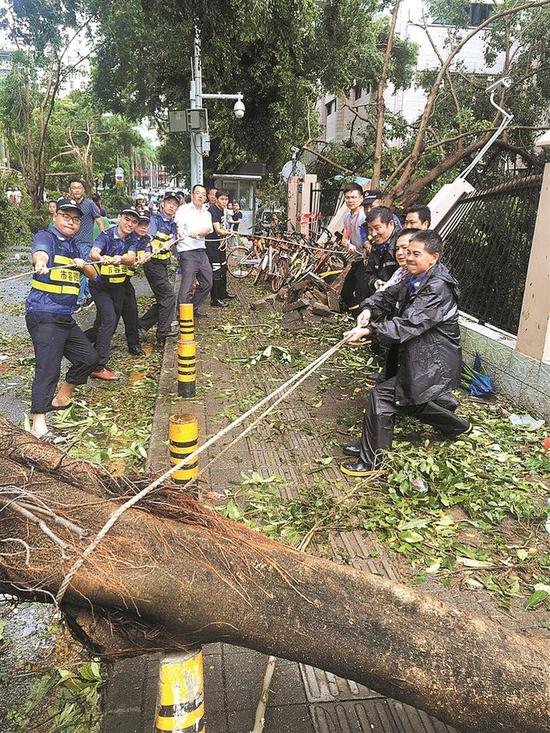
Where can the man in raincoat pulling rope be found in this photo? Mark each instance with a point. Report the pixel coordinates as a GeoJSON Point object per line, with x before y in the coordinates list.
{"type": "Point", "coordinates": [418, 320]}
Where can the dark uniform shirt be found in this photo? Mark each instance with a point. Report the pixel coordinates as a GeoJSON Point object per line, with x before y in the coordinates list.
{"type": "Point", "coordinates": [162, 230]}
{"type": "Point", "coordinates": [57, 291]}
{"type": "Point", "coordinates": [217, 218]}
{"type": "Point", "coordinates": [236, 216]}
{"type": "Point", "coordinates": [143, 244]}
{"type": "Point", "coordinates": [111, 244]}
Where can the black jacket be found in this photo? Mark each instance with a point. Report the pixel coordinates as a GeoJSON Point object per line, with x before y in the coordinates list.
{"type": "Point", "coordinates": [424, 336]}
{"type": "Point", "coordinates": [381, 262]}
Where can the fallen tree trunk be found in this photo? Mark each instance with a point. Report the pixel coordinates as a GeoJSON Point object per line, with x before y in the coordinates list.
{"type": "Point", "coordinates": [176, 568]}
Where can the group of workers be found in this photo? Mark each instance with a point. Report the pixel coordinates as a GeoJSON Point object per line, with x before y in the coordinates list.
{"type": "Point", "coordinates": [62, 261]}
{"type": "Point", "coordinates": [405, 299]}
{"type": "Point", "coordinates": [406, 304]}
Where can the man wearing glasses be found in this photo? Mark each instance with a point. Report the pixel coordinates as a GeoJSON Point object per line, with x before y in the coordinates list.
{"type": "Point", "coordinates": [49, 317]}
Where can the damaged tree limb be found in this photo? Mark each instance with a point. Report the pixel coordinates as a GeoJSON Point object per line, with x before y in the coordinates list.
{"type": "Point", "coordinates": [172, 572]}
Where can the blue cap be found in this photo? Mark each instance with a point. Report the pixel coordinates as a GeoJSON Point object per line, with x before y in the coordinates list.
{"type": "Point", "coordinates": [66, 204]}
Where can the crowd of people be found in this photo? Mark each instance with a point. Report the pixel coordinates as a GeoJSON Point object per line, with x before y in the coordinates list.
{"type": "Point", "coordinates": [73, 269]}
{"type": "Point", "coordinates": [405, 300]}
{"type": "Point", "coordinates": [406, 303]}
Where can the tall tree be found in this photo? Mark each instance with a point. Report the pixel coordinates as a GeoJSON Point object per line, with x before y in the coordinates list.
{"type": "Point", "coordinates": [458, 119]}
{"type": "Point", "coordinates": [278, 54]}
{"type": "Point", "coordinates": [43, 32]}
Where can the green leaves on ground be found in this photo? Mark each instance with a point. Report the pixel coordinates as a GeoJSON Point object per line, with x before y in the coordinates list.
{"type": "Point", "coordinates": [74, 699]}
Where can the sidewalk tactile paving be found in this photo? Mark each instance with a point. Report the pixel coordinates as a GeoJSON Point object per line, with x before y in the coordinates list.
{"type": "Point", "coordinates": [323, 686]}
{"type": "Point", "coordinates": [373, 716]}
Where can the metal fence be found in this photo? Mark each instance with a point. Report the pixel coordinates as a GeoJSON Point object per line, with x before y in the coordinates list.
{"type": "Point", "coordinates": [323, 203]}
{"type": "Point", "coordinates": [488, 237]}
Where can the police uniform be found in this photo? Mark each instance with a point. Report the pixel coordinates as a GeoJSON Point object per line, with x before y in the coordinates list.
{"type": "Point", "coordinates": [108, 290]}
{"type": "Point", "coordinates": [161, 230]}
{"type": "Point", "coordinates": [54, 333]}
{"type": "Point", "coordinates": [129, 306]}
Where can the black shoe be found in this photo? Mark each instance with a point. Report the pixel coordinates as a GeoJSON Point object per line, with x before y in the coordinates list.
{"type": "Point", "coordinates": [199, 314]}
{"type": "Point", "coordinates": [463, 434]}
{"type": "Point", "coordinates": [218, 304]}
{"type": "Point", "coordinates": [228, 296]}
{"type": "Point", "coordinates": [358, 469]}
{"type": "Point", "coordinates": [161, 337]}
{"type": "Point", "coordinates": [354, 449]}
{"type": "Point", "coordinates": [136, 350]}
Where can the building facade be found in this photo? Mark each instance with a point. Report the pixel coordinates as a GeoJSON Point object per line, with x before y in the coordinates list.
{"type": "Point", "coordinates": [338, 121]}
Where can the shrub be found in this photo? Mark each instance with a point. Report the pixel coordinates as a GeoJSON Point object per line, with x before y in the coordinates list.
{"type": "Point", "coordinates": [114, 199]}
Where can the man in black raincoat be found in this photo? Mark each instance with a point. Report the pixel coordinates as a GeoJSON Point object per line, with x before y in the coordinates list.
{"type": "Point", "coordinates": [418, 320]}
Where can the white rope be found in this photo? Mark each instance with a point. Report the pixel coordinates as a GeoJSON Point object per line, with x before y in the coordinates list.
{"type": "Point", "coordinates": [281, 392]}
{"type": "Point", "coordinates": [49, 269]}
{"type": "Point", "coordinates": [312, 367]}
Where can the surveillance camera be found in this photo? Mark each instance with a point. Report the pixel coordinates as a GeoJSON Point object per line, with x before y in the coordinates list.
{"type": "Point", "coordinates": [238, 109]}
{"type": "Point", "coordinates": [503, 83]}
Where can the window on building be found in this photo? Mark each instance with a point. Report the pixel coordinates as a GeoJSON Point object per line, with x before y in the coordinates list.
{"type": "Point", "coordinates": [478, 12]}
{"type": "Point", "coordinates": [330, 107]}
{"type": "Point", "coordinates": [469, 14]}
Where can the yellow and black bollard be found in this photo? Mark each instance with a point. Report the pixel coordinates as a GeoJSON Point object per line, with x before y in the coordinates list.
{"type": "Point", "coordinates": [187, 368]}
{"type": "Point", "coordinates": [181, 705]}
{"type": "Point", "coordinates": [183, 434]}
{"type": "Point", "coordinates": [186, 321]}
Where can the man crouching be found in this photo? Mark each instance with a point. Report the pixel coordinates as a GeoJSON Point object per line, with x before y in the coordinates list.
{"type": "Point", "coordinates": [418, 319]}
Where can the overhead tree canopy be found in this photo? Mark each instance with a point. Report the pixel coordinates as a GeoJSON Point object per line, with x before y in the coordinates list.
{"type": "Point", "coordinates": [458, 118]}
{"type": "Point", "coordinates": [280, 55]}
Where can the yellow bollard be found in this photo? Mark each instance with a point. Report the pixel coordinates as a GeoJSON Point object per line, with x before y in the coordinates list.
{"type": "Point", "coordinates": [186, 321]}
{"type": "Point", "coordinates": [187, 368]}
{"type": "Point", "coordinates": [181, 706]}
{"type": "Point", "coordinates": [183, 434]}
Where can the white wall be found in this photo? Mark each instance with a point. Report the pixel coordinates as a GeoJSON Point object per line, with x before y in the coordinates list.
{"type": "Point", "coordinates": [410, 102]}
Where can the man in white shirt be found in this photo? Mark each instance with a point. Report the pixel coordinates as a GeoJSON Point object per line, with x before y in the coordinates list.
{"type": "Point", "coordinates": [194, 223]}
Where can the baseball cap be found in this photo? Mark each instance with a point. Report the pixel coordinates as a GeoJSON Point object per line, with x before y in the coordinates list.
{"type": "Point", "coordinates": [64, 204]}
{"type": "Point", "coordinates": [371, 196]}
{"type": "Point", "coordinates": [144, 216]}
{"type": "Point", "coordinates": [170, 195]}
{"type": "Point", "coordinates": [130, 210]}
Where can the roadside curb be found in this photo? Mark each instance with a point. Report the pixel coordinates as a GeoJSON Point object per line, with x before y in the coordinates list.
{"type": "Point", "coordinates": [131, 694]}
{"type": "Point", "coordinates": [132, 689]}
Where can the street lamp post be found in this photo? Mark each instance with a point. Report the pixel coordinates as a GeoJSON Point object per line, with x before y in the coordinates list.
{"type": "Point", "coordinates": [200, 141]}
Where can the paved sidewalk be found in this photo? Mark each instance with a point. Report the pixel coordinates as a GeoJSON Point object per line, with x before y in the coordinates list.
{"type": "Point", "coordinates": [302, 699]}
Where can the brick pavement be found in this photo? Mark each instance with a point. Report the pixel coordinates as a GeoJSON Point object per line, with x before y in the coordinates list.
{"type": "Point", "coordinates": [302, 699]}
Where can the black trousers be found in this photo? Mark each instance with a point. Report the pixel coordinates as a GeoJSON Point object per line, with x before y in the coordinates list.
{"type": "Point", "coordinates": [53, 338]}
{"type": "Point", "coordinates": [355, 287]}
{"type": "Point", "coordinates": [161, 312]}
{"type": "Point", "coordinates": [130, 314]}
{"type": "Point", "coordinates": [108, 301]}
{"type": "Point", "coordinates": [218, 262]}
{"type": "Point", "coordinates": [379, 417]}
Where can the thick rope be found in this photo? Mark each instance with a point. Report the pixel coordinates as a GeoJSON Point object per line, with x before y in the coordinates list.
{"type": "Point", "coordinates": [312, 367]}
{"type": "Point", "coordinates": [281, 392]}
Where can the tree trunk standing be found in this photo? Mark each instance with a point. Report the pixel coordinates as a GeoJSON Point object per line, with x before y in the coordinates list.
{"type": "Point", "coordinates": [197, 577]}
{"type": "Point", "coordinates": [380, 104]}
